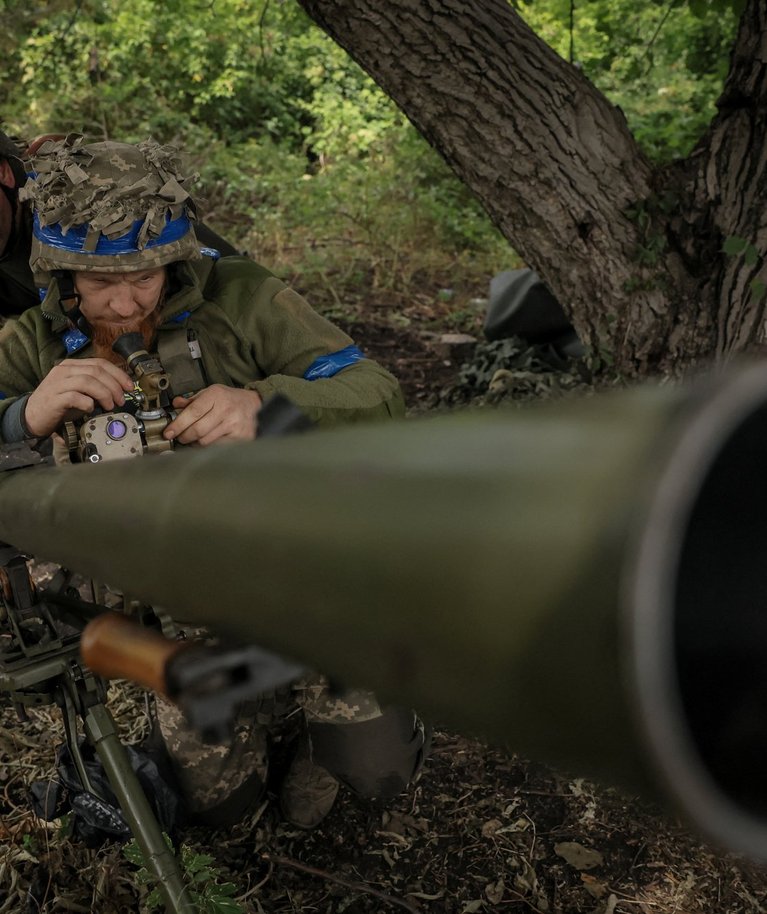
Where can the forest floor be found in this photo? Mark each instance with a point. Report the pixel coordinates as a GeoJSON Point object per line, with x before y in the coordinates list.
{"type": "Point", "coordinates": [481, 831]}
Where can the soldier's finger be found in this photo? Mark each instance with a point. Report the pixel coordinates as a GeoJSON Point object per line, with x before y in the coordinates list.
{"type": "Point", "coordinates": [186, 419]}
{"type": "Point", "coordinates": [103, 368]}
{"type": "Point", "coordinates": [74, 401]}
{"type": "Point", "coordinates": [205, 426]}
{"type": "Point", "coordinates": [85, 378]}
{"type": "Point", "coordinates": [103, 391]}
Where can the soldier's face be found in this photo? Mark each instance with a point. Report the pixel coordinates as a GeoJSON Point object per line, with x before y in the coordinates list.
{"type": "Point", "coordinates": [6, 211]}
{"type": "Point", "coordinates": [119, 299]}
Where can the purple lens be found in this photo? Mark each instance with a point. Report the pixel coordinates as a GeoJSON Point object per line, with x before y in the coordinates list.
{"type": "Point", "coordinates": [116, 429]}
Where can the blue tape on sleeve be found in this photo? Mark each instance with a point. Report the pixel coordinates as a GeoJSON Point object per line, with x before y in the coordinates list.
{"type": "Point", "coordinates": [2, 395]}
{"type": "Point", "coordinates": [213, 253]}
{"type": "Point", "coordinates": [328, 365]}
{"type": "Point", "coordinates": [180, 318]}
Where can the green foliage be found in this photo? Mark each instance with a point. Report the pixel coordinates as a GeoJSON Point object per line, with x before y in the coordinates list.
{"type": "Point", "coordinates": [210, 896]}
{"type": "Point", "coordinates": [304, 162]}
{"type": "Point", "coordinates": [151, 67]}
{"type": "Point", "coordinates": [201, 878]}
{"type": "Point", "coordinates": [735, 245]}
{"type": "Point", "coordinates": [388, 219]}
{"type": "Point", "coordinates": [650, 216]}
{"type": "Point", "coordinates": [345, 112]}
{"type": "Point", "coordinates": [662, 63]}
{"type": "Point", "coordinates": [30, 844]}
{"type": "Point", "coordinates": [237, 69]}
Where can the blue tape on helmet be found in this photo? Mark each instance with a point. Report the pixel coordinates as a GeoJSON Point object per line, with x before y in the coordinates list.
{"type": "Point", "coordinates": [328, 365]}
{"type": "Point", "coordinates": [52, 235]}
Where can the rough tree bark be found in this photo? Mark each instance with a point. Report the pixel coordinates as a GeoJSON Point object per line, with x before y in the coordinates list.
{"type": "Point", "coordinates": [633, 252]}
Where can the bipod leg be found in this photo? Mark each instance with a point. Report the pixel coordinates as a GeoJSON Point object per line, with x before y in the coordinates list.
{"type": "Point", "coordinates": [102, 733]}
{"type": "Point", "coordinates": [69, 716]}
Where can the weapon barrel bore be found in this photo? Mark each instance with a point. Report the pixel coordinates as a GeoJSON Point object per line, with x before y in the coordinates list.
{"type": "Point", "coordinates": [583, 580]}
{"type": "Point", "coordinates": [115, 647]}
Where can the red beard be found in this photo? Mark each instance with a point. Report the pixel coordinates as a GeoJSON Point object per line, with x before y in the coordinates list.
{"type": "Point", "coordinates": [104, 335]}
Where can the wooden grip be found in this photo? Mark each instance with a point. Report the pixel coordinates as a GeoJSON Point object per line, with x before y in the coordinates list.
{"type": "Point", "coordinates": [115, 647]}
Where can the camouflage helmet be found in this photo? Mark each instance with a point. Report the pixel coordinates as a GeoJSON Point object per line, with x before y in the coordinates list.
{"type": "Point", "coordinates": [107, 207]}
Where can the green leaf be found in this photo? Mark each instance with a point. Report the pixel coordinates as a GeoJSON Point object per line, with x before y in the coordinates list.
{"type": "Point", "coordinates": [133, 854]}
{"type": "Point", "coordinates": [751, 256]}
{"type": "Point", "coordinates": [197, 862]}
{"type": "Point", "coordinates": [758, 288]}
{"type": "Point", "coordinates": [734, 245]}
{"type": "Point", "coordinates": [154, 900]}
{"type": "Point", "coordinates": [225, 889]}
{"type": "Point", "coordinates": [698, 8]}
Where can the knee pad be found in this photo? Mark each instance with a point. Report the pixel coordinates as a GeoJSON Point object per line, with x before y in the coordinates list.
{"type": "Point", "coordinates": [376, 758]}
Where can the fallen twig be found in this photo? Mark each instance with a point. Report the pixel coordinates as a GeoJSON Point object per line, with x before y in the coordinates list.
{"type": "Point", "coordinates": [339, 880]}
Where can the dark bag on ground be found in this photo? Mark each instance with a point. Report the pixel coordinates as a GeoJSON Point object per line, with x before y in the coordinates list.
{"type": "Point", "coordinates": [95, 820]}
{"type": "Point", "coordinates": [521, 305]}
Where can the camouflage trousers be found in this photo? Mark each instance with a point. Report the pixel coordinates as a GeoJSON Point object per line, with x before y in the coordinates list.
{"type": "Point", "coordinates": [374, 751]}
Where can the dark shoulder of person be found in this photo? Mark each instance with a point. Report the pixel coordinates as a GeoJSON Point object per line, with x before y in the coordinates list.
{"type": "Point", "coordinates": [17, 287]}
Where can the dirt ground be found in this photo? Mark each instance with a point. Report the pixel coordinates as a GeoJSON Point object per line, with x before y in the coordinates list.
{"type": "Point", "coordinates": [481, 831]}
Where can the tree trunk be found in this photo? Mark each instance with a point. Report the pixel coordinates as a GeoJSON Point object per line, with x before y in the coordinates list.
{"type": "Point", "coordinates": [633, 254]}
{"type": "Point", "coordinates": [723, 193]}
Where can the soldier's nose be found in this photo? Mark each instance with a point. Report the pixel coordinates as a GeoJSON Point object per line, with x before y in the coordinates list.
{"type": "Point", "coordinates": [122, 302]}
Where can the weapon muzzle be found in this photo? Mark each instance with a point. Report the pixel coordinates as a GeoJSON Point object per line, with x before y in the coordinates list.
{"type": "Point", "coordinates": [696, 600]}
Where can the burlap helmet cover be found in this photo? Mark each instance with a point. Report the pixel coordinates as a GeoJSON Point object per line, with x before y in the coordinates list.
{"type": "Point", "coordinates": [83, 194]}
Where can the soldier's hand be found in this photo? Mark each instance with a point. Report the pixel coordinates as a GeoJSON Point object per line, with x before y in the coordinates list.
{"type": "Point", "coordinates": [74, 388]}
{"type": "Point", "coordinates": [217, 413]}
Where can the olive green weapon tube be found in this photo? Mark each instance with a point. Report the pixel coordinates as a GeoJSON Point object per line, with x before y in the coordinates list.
{"type": "Point", "coordinates": [158, 857]}
{"type": "Point", "coordinates": [582, 581]}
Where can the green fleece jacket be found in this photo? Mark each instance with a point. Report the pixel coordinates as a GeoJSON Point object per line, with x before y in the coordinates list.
{"type": "Point", "coordinates": [253, 331]}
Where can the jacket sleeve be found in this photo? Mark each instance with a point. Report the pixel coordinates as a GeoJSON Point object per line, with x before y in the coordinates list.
{"type": "Point", "coordinates": [289, 338]}
{"type": "Point", "coordinates": [20, 371]}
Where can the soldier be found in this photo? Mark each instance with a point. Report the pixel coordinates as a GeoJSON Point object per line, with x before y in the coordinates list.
{"type": "Point", "coordinates": [114, 249]}
{"type": "Point", "coordinates": [17, 288]}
